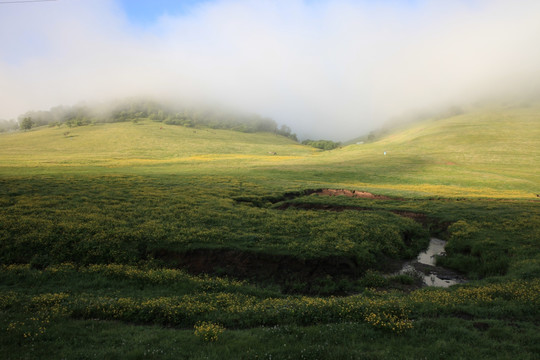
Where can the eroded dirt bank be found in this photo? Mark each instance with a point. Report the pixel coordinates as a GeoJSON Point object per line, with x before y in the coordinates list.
{"type": "Point", "coordinates": [292, 274]}
{"type": "Point", "coordinates": [351, 193]}
{"type": "Point", "coordinates": [286, 271]}
{"type": "Point", "coordinates": [258, 200]}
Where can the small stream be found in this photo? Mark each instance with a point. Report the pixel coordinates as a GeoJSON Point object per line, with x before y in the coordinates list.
{"type": "Point", "coordinates": [436, 247]}
{"type": "Point", "coordinates": [424, 266]}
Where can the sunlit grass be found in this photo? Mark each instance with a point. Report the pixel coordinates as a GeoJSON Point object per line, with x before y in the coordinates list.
{"type": "Point", "coordinates": [480, 154]}
{"type": "Point", "coordinates": [86, 211]}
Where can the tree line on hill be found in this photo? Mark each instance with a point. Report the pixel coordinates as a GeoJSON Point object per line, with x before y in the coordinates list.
{"type": "Point", "coordinates": [322, 144]}
{"type": "Point", "coordinates": [135, 110]}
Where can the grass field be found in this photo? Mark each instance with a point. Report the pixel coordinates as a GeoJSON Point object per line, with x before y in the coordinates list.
{"type": "Point", "coordinates": [146, 240]}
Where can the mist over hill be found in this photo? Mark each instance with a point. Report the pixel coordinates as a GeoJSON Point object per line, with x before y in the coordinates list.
{"type": "Point", "coordinates": [135, 109]}
{"type": "Point", "coordinates": [492, 149]}
{"type": "Point", "coordinates": [327, 69]}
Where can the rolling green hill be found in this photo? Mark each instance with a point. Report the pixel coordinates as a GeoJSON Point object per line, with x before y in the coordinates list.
{"type": "Point", "coordinates": [484, 154]}
{"type": "Point", "coordinates": [147, 240]}
{"type": "Point", "coordinates": [488, 153]}
{"type": "Point", "coordinates": [143, 143]}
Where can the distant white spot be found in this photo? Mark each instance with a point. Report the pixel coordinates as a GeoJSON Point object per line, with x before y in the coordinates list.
{"type": "Point", "coordinates": [385, 153]}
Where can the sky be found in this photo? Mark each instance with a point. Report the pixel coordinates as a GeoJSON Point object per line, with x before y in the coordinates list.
{"type": "Point", "coordinates": [147, 12]}
{"type": "Point", "coordinates": [328, 69]}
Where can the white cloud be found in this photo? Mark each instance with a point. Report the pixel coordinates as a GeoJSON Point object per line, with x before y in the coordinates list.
{"type": "Point", "coordinates": [326, 68]}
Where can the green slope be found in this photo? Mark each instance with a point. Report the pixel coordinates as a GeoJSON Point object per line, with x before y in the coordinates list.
{"type": "Point", "coordinates": [98, 225]}
{"type": "Point", "coordinates": [143, 143]}
{"type": "Point", "coordinates": [487, 153]}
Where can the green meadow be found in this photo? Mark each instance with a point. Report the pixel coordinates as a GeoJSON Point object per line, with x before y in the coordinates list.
{"type": "Point", "coordinates": [144, 240]}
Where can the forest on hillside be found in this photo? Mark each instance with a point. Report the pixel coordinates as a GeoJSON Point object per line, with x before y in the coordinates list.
{"type": "Point", "coordinates": [136, 109]}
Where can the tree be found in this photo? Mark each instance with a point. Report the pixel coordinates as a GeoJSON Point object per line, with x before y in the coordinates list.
{"type": "Point", "coordinates": [322, 144]}
{"type": "Point", "coordinates": [284, 130]}
{"type": "Point", "coordinates": [27, 123]}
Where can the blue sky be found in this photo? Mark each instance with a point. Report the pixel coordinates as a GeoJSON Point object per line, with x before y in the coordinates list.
{"type": "Point", "coordinates": [146, 12]}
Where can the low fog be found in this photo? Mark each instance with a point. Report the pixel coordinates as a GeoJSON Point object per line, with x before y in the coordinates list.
{"type": "Point", "coordinates": [328, 69]}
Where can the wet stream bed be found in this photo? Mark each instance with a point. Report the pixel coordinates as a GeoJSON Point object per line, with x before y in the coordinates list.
{"type": "Point", "coordinates": [424, 266]}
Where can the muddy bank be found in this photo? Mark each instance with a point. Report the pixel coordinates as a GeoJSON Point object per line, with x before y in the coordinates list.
{"type": "Point", "coordinates": [424, 267]}
{"type": "Point", "coordinates": [286, 271]}
{"type": "Point", "coordinates": [292, 274]}
{"type": "Point", "coordinates": [261, 200]}
{"type": "Point", "coordinates": [352, 193]}
{"type": "Point", "coordinates": [305, 276]}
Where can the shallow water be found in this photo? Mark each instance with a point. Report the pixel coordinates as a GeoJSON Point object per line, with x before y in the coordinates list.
{"type": "Point", "coordinates": [436, 247]}
{"type": "Point", "coordinates": [428, 257]}
{"type": "Point", "coordinates": [434, 280]}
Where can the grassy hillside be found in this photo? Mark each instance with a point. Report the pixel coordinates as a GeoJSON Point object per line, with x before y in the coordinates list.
{"type": "Point", "coordinates": [145, 240]}
{"type": "Point", "coordinates": [484, 154]}
{"type": "Point", "coordinates": [139, 144]}
{"type": "Point", "coordinates": [489, 153]}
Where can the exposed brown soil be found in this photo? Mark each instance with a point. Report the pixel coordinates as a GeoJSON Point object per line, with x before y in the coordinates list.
{"type": "Point", "coordinates": [281, 269]}
{"type": "Point", "coordinates": [286, 270]}
{"type": "Point", "coordinates": [293, 275]}
{"type": "Point", "coordinates": [350, 193]}
{"type": "Point", "coordinates": [258, 200]}
{"type": "Point", "coordinates": [273, 199]}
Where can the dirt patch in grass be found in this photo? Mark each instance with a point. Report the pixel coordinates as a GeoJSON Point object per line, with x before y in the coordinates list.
{"type": "Point", "coordinates": [293, 275]}
{"type": "Point", "coordinates": [350, 193]}
{"type": "Point", "coordinates": [273, 199]}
